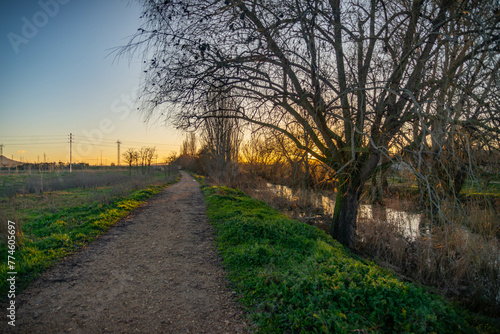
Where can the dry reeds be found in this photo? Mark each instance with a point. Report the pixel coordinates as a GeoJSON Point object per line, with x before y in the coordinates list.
{"type": "Point", "coordinates": [461, 264]}
{"type": "Point", "coordinates": [461, 259]}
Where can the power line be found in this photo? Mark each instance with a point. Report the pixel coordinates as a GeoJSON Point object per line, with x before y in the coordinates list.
{"type": "Point", "coordinates": [34, 140]}
{"type": "Point", "coordinates": [140, 142]}
{"type": "Point", "coordinates": [87, 140]}
{"type": "Point", "coordinates": [38, 143]}
{"type": "Point", "coordinates": [32, 136]}
{"type": "Point", "coordinates": [100, 145]}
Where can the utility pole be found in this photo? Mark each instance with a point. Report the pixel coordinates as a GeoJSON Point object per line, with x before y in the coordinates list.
{"type": "Point", "coordinates": [101, 158]}
{"type": "Point", "coordinates": [118, 142]}
{"type": "Point", "coordinates": [44, 158]}
{"type": "Point", "coordinates": [1, 156]}
{"type": "Point", "coordinates": [70, 151]}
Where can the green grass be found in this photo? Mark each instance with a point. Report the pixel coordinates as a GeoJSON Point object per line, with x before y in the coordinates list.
{"type": "Point", "coordinates": [471, 189]}
{"type": "Point", "coordinates": [11, 181]}
{"type": "Point", "coordinates": [293, 278]}
{"type": "Point", "coordinates": [59, 223]}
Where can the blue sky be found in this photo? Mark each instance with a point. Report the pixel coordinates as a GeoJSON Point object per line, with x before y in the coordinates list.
{"type": "Point", "coordinates": [58, 76]}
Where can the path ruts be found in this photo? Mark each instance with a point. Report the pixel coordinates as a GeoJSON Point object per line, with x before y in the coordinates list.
{"type": "Point", "coordinates": [154, 272]}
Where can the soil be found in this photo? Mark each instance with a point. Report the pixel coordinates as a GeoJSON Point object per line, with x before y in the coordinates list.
{"type": "Point", "coordinates": [157, 271]}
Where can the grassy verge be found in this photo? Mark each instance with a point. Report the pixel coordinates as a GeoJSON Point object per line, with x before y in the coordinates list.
{"type": "Point", "coordinates": [62, 223]}
{"type": "Point", "coordinates": [293, 278]}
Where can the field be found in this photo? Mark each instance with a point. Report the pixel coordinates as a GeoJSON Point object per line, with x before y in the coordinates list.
{"type": "Point", "coordinates": [55, 214]}
{"type": "Point", "coordinates": [289, 276]}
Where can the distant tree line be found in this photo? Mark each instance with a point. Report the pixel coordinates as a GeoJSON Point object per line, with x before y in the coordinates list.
{"type": "Point", "coordinates": [44, 166]}
{"type": "Point", "coordinates": [142, 158]}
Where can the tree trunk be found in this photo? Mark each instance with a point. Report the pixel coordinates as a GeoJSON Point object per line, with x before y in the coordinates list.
{"type": "Point", "coordinates": [377, 194]}
{"type": "Point", "coordinates": [345, 213]}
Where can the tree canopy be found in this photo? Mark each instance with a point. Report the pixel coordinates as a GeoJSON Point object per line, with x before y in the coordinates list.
{"type": "Point", "coordinates": [347, 81]}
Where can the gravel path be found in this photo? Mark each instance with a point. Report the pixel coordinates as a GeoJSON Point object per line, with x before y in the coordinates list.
{"type": "Point", "coordinates": [154, 272]}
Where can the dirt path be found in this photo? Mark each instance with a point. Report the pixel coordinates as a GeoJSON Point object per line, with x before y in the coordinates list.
{"type": "Point", "coordinates": [154, 272]}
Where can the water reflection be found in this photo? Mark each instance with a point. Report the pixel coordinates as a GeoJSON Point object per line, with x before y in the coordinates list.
{"type": "Point", "coordinates": [407, 223]}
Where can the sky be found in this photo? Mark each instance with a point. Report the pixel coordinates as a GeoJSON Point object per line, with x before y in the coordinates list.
{"type": "Point", "coordinates": [59, 76]}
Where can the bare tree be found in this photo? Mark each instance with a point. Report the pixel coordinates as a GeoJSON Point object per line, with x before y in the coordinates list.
{"type": "Point", "coordinates": [297, 159]}
{"type": "Point", "coordinates": [142, 157]}
{"type": "Point", "coordinates": [188, 147]}
{"type": "Point", "coordinates": [150, 153]}
{"type": "Point", "coordinates": [260, 156]}
{"type": "Point", "coordinates": [221, 136]}
{"type": "Point", "coordinates": [188, 151]}
{"type": "Point", "coordinates": [256, 151]}
{"type": "Point", "coordinates": [129, 157]}
{"type": "Point", "coordinates": [362, 78]}
{"type": "Point", "coordinates": [146, 155]}
{"type": "Point", "coordinates": [169, 162]}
